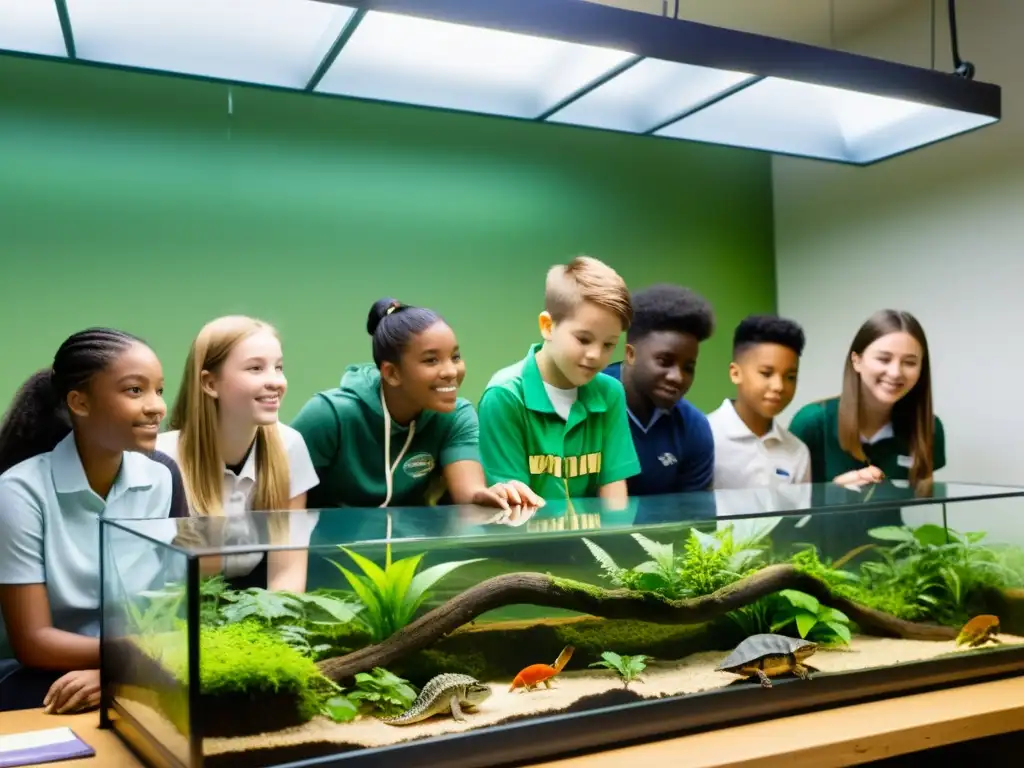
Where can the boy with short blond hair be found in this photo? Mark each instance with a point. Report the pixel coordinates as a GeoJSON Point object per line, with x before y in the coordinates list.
{"type": "Point", "coordinates": [553, 420]}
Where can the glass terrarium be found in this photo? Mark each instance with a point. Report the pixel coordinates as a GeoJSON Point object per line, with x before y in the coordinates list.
{"type": "Point", "coordinates": [469, 637]}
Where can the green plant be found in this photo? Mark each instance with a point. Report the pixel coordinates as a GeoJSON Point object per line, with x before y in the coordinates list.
{"type": "Point", "coordinates": [627, 667]}
{"type": "Point", "coordinates": [812, 620]}
{"type": "Point", "coordinates": [707, 563]}
{"type": "Point", "coordinates": [391, 595]}
{"type": "Point", "coordinates": [791, 612]}
{"type": "Point", "coordinates": [942, 573]}
{"type": "Point", "coordinates": [382, 691]}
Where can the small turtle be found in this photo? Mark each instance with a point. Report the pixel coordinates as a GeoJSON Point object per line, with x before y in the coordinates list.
{"type": "Point", "coordinates": [979, 630]}
{"type": "Point", "coordinates": [769, 656]}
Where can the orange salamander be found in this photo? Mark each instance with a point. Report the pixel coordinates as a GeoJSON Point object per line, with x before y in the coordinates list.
{"type": "Point", "coordinates": [535, 674]}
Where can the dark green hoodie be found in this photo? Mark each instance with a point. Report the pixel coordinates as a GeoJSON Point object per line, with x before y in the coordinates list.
{"type": "Point", "coordinates": [344, 430]}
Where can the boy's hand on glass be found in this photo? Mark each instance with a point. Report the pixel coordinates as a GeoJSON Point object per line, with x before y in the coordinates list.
{"type": "Point", "coordinates": [76, 691]}
{"type": "Point", "coordinates": [505, 495]}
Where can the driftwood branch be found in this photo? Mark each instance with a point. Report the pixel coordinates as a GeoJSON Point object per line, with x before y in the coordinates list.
{"type": "Point", "coordinates": [551, 592]}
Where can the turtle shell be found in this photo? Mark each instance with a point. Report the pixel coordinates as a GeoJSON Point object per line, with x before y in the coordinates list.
{"type": "Point", "coordinates": [758, 646]}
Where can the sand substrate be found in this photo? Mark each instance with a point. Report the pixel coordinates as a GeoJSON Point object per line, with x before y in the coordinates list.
{"type": "Point", "coordinates": [691, 675]}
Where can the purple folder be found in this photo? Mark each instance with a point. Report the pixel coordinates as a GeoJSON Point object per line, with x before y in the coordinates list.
{"type": "Point", "coordinates": [46, 746]}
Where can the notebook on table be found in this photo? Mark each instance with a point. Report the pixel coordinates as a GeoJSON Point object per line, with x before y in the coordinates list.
{"type": "Point", "coordinates": [39, 747]}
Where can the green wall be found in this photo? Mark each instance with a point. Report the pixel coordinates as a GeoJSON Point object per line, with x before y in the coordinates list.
{"type": "Point", "coordinates": [135, 201]}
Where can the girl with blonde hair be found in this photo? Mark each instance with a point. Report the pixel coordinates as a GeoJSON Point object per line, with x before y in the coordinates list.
{"type": "Point", "coordinates": [236, 456]}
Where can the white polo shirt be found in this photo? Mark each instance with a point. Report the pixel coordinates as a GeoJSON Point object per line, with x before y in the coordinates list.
{"type": "Point", "coordinates": [744, 460]}
{"type": "Point", "coordinates": [757, 474]}
{"type": "Point", "coordinates": [50, 531]}
{"type": "Point", "coordinates": [237, 499]}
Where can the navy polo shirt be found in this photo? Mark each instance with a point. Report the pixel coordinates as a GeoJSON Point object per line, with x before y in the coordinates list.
{"type": "Point", "coordinates": [676, 449]}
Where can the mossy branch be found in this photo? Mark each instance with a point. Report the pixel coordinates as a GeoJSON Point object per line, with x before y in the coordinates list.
{"type": "Point", "coordinates": [551, 592]}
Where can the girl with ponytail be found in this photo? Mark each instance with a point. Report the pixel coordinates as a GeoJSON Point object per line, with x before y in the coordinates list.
{"type": "Point", "coordinates": [75, 444]}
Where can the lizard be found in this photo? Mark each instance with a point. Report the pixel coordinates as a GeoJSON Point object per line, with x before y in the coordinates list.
{"type": "Point", "coordinates": [448, 692]}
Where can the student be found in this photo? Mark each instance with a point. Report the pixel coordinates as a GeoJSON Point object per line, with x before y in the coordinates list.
{"type": "Point", "coordinates": [235, 456]}
{"type": "Point", "coordinates": [882, 425]}
{"type": "Point", "coordinates": [672, 437]}
{"type": "Point", "coordinates": [752, 449]}
{"type": "Point", "coordinates": [76, 444]}
{"type": "Point", "coordinates": [554, 420]}
{"type": "Point", "coordinates": [395, 432]}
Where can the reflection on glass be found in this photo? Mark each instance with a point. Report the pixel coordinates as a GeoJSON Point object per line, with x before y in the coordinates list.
{"type": "Point", "coordinates": [663, 599]}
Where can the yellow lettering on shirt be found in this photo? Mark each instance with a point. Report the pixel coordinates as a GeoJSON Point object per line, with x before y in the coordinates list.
{"type": "Point", "coordinates": [572, 466]}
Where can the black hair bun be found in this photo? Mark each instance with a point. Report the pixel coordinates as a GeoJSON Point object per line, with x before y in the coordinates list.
{"type": "Point", "coordinates": [378, 312]}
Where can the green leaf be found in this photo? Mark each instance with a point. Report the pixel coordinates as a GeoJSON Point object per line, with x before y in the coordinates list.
{"type": "Point", "coordinates": [974, 537]}
{"type": "Point", "coordinates": [805, 623]}
{"type": "Point", "coordinates": [931, 535]}
{"type": "Point", "coordinates": [603, 558]}
{"type": "Point", "coordinates": [707, 542]}
{"type": "Point", "coordinates": [660, 553]}
{"type": "Point", "coordinates": [841, 630]}
{"type": "Point", "coordinates": [832, 614]}
{"type": "Point", "coordinates": [892, 533]}
{"type": "Point", "coordinates": [424, 580]}
{"type": "Point", "coordinates": [340, 709]}
{"type": "Point", "coordinates": [400, 576]}
{"type": "Point", "coordinates": [801, 600]}
{"type": "Point", "coordinates": [340, 610]}
{"type": "Point", "coordinates": [373, 572]}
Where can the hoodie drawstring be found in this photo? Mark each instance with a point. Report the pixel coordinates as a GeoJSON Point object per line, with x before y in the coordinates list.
{"type": "Point", "coordinates": [389, 468]}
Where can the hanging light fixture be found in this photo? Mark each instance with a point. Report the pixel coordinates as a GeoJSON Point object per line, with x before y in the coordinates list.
{"type": "Point", "coordinates": [565, 62]}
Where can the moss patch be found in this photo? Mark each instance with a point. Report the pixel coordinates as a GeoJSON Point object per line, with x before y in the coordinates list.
{"type": "Point", "coordinates": [251, 682]}
{"type": "Point", "coordinates": [500, 650]}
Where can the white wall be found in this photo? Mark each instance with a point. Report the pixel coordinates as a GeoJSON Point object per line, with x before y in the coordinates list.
{"type": "Point", "coordinates": [938, 232]}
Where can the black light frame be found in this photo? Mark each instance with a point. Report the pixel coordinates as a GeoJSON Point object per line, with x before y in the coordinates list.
{"type": "Point", "coordinates": [647, 36]}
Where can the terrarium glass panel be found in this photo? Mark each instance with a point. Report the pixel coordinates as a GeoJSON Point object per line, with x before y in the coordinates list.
{"type": "Point", "coordinates": [496, 631]}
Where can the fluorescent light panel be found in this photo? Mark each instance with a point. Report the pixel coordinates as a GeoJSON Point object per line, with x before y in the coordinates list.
{"type": "Point", "coordinates": [437, 64]}
{"type": "Point", "coordinates": [31, 26]}
{"type": "Point", "coordinates": [797, 118]}
{"type": "Point", "coordinates": [268, 42]}
{"type": "Point", "coordinates": [646, 95]}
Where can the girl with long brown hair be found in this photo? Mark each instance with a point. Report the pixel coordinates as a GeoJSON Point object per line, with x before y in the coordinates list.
{"type": "Point", "coordinates": [882, 425]}
{"type": "Point", "coordinates": [234, 454]}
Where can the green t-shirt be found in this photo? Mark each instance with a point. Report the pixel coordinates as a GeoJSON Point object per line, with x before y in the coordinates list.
{"type": "Point", "coordinates": [523, 438]}
{"type": "Point", "coordinates": [344, 431]}
{"type": "Point", "coordinates": [817, 424]}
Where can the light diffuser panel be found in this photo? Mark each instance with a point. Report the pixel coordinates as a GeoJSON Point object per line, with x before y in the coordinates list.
{"type": "Point", "coordinates": [31, 26]}
{"type": "Point", "coordinates": [646, 95]}
{"type": "Point", "coordinates": [440, 64]}
{"type": "Point", "coordinates": [270, 42]}
{"type": "Point", "coordinates": [814, 120]}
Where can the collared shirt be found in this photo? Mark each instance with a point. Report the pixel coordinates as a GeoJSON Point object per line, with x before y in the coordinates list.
{"type": "Point", "coordinates": [523, 438]}
{"type": "Point", "coordinates": [744, 460]}
{"type": "Point", "coordinates": [50, 531]}
{"type": "Point", "coordinates": [817, 425]}
{"type": "Point", "coordinates": [676, 448]}
{"type": "Point", "coordinates": [237, 498]}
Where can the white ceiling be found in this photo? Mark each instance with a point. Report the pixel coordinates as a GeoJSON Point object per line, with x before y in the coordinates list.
{"type": "Point", "coordinates": [817, 22]}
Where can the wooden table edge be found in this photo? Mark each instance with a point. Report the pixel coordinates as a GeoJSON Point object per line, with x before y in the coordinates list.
{"type": "Point", "coordinates": [832, 738]}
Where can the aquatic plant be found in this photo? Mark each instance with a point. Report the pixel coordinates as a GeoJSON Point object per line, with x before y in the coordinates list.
{"type": "Point", "coordinates": [628, 667]}
{"type": "Point", "coordinates": [708, 562]}
{"type": "Point", "coordinates": [391, 595]}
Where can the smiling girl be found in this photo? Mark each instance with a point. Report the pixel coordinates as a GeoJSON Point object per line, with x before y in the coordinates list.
{"type": "Point", "coordinates": [396, 429]}
{"type": "Point", "coordinates": [882, 425]}
{"type": "Point", "coordinates": [235, 456]}
{"type": "Point", "coordinates": [76, 444]}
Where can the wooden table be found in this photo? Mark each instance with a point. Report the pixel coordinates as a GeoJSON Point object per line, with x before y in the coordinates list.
{"type": "Point", "coordinates": [829, 739]}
